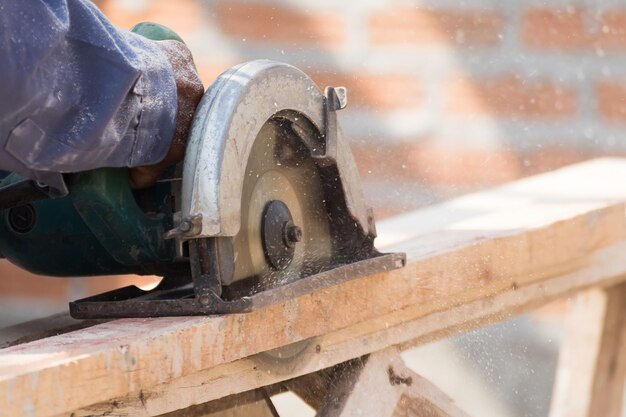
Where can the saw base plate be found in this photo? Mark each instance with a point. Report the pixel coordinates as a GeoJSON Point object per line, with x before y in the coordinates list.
{"type": "Point", "coordinates": [176, 297]}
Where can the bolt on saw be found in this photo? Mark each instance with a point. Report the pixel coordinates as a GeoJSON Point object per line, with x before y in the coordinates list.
{"type": "Point", "coordinates": [266, 206]}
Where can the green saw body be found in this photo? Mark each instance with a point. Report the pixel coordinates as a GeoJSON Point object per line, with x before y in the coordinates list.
{"type": "Point", "coordinates": [98, 229]}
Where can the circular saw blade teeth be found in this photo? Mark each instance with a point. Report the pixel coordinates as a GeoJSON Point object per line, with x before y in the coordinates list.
{"type": "Point", "coordinates": [280, 168]}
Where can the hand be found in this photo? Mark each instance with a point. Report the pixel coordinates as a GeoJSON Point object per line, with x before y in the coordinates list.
{"type": "Point", "coordinates": [189, 90]}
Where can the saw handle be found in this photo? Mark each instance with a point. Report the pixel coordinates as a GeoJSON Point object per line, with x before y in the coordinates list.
{"type": "Point", "coordinates": [108, 207]}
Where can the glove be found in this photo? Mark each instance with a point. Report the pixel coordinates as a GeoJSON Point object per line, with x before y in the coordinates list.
{"type": "Point", "coordinates": [189, 91]}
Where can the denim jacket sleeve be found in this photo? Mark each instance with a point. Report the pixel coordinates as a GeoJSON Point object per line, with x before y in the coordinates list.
{"type": "Point", "coordinates": [78, 94]}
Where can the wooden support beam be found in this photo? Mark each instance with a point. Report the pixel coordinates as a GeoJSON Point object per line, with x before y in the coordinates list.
{"type": "Point", "coordinates": [423, 399]}
{"type": "Point", "coordinates": [592, 360]}
{"type": "Point", "coordinates": [376, 385]}
{"type": "Point", "coordinates": [470, 261]}
{"type": "Point", "coordinates": [314, 388]}
{"type": "Point", "coordinates": [382, 386]}
{"type": "Point", "coordinates": [254, 403]}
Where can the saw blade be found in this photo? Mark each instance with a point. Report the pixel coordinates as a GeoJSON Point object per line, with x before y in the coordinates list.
{"type": "Point", "coordinates": [280, 168]}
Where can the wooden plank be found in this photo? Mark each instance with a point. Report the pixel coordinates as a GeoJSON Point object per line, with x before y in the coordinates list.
{"type": "Point", "coordinates": [40, 328]}
{"type": "Point", "coordinates": [605, 268]}
{"type": "Point", "coordinates": [541, 235]}
{"type": "Point", "coordinates": [592, 360]}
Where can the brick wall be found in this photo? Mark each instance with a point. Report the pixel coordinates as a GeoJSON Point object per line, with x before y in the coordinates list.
{"type": "Point", "coordinates": [444, 96]}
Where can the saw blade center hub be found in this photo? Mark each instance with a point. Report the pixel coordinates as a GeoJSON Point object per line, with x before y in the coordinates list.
{"type": "Point", "coordinates": [292, 234]}
{"type": "Point", "coordinates": [279, 234]}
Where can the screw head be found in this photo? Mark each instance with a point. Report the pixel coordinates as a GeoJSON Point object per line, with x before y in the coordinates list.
{"type": "Point", "coordinates": [204, 300]}
{"type": "Point", "coordinates": [293, 234]}
{"type": "Point", "coordinates": [185, 226]}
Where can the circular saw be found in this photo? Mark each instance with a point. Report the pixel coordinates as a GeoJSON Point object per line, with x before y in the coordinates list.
{"type": "Point", "coordinates": [266, 206]}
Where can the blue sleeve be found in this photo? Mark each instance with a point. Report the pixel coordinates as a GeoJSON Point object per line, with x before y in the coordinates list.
{"type": "Point", "coordinates": [77, 93]}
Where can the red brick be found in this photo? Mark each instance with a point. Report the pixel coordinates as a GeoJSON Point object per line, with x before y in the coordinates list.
{"type": "Point", "coordinates": [510, 96]}
{"type": "Point", "coordinates": [612, 33]}
{"type": "Point", "coordinates": [611, 100]}
{"type": "Point", "coordinates": [573, 29]}
{"type": "Point", "coordinates": [262, 22]}
{"type": "Point", "coordinates": [435, 166]}
{"type": "Point", "coordinates": [446, 167]}
{"type": "Point", "coordinates": [183, 16]}
{"type": "Point", "coordinates": [420, 25]}
{"type": "Point", "coordinates": [465, 167]}
{"type": "Point", "coordinates": [554, 28]}
{"type": "Point", "coordinates": [377, 161]}
{"type": "Point", "coordinates": [380, 91]}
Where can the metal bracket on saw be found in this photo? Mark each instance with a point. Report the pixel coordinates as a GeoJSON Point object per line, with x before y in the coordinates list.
{"type": "Point", "coordinates": [171, 298]}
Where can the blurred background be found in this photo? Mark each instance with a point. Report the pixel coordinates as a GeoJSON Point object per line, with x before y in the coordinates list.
{"type": "Point", "coordinates": [445, 97]}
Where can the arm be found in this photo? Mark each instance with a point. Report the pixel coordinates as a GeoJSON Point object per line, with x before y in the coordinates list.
{"type": "Point", "coordinates": [78, 94]}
